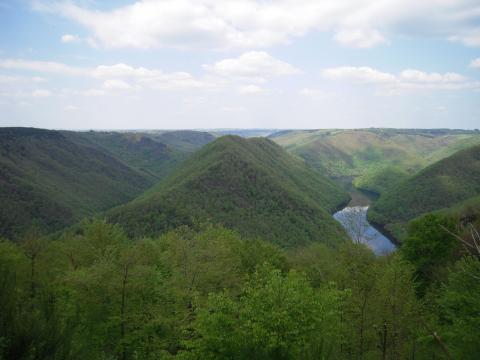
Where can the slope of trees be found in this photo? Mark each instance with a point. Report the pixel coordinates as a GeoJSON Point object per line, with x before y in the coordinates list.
{"type": "Point", "coordinates": [54, 178]}
{"type": "Point", "coordinates": [47, 179]}
{"type": "Point", "coordinates": [441, 185]}
{"type": "Point", "coordinates": [252, 186]}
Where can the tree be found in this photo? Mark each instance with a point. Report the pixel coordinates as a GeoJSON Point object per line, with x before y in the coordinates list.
{"type": "Point", "coordinates": [460, 308]}
{"type": "Point", "coordinates": [429, 247]}
{"type": "Point", "coordinates": [277, 317]}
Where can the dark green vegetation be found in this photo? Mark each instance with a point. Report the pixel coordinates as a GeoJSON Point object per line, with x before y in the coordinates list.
{"type": "Point", "coordinates": [252, 185]}
{"type": "Point", "coordinates": [49, 179]}
{"type": "Point", "coordinates": [151, 158]}
{"type": "Point", "coordinates": [444, 184]}
{"type": "Point", "coordinates": [212, 294]}
{"type": "Point", "coordinates": [183, 140]}
{"type": "Point", "coordinates": [374, 160]}
{"type": "Point", "coordinates": [54, 178]}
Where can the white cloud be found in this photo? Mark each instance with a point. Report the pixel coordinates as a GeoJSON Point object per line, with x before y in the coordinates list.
{"type": "Point", "coordinates": [417, 76]}
{"type": "Point", "coordinates": [253, 65]}
{"type": "Point", "coordinates": [42, 67]}
{"type": "Point", "coordinates": [362, 74]}
{"type": "Point", "coordinates": [257, 23]}
{"type": "Point", "coordinates": [113, 74]}
{"type": "Point", "coordinates": [70, 108]}
{"type": "Point", "coordinates": [360, 38]}
{"type": "Point", "coordinates": [233, 109]}
{"type": "Point", "coordinates": [41, 93]}
{"type": "Point", "coordinates": [68, 38]}
{"type": "Point", "coordinates": [251, 89]}
{"type": "Point", "coordinates": [93, 92]}
{"type": "Point", "coordinates": [409, 79]}
{"type": "Point", "coordinates": [114, 85]}
{"type": "Point", "coordinates": [315, 94]}
{"type": "Point", "coordinates": [475, 63]}
{"type": "Point", "coordinates": [12, 80]}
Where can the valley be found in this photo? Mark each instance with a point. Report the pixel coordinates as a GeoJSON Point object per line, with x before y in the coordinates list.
{"type": "Point", "coordinates": [239, 180]}
{"type": "Point", "coordinates": [187, 239]}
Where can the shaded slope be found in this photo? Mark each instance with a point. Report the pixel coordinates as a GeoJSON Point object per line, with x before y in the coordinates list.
{"type": "Point", "coordinates": [184, 140]}
{"type": "Point", "coordinates": [251, 185]}
{"type": "Point", "coordinates": [48, 179]}
{"type": "Point", "coordinates": [152, 158]}
{"type": "Point", "coordinates": [441, 185]}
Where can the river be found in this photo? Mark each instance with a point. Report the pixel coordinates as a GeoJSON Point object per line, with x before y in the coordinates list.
{"type": "Point", "coordinates": [354, 220]}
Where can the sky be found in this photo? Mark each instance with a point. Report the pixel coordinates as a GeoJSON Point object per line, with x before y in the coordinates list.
{"type": "Point", "coordinates": [204, 64]}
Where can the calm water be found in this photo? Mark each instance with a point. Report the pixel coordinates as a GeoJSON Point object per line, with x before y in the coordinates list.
{"type": "Point", "coordinates": [354, 220]}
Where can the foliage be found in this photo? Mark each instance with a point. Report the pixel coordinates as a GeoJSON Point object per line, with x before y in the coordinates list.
{"type": "Point", "coordinates": [252, 186]}
{"type": "Point", "coordinates": [460, 308]}
{"type": "Point", "coordinates": [429, 246]}
{"type": "Point", "coordinates": [208, 293]}
{"type": "Point", "coordinates": [373, 159]}
{"type": "Point", "coordinates": [54, 178]}
{"type": "Point", "coordinates": [277, 317]}
{"type": "Point", "coordinates": [441, 185]}
{"type": "Point", "coordinates": [49, 180]}
{"type": "Point", "coordinates": [151, 158]}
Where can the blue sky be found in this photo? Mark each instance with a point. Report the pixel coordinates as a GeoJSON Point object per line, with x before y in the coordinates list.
{"type": "Point", "coordinates": [170, 64]}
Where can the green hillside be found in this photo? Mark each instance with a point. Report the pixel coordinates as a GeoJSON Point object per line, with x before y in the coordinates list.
{"type": "Point", "coordinates": [53, 179]}
{"type": "Point", "coordinates": [441, 185]}
{"type": "Point", "coordinates": [152, 158]}
{"type": "Point", "coordinates": [251, 185]}
{"type": "Point", "coordinates": [374, 160]}
{"type": "Point", "coordinates": [183, 140]}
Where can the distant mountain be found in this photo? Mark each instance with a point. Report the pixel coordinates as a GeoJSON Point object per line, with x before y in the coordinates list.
{"type": "Point", "coordinates": [246, 133]}
{"type": "Point", "coordinates": [183, 140]}
{"type": "Point", "coordinates": [374, 160]}
{"type": "Point", "coordinates": [444, 184]}
{"type": "Point", "coordinates": [53, 179]}
{"type": "Point", "coordinates": [251, 185]}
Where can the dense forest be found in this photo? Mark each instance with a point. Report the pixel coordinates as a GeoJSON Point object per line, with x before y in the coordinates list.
{"type": "Point", "coordinates": [208, 293]}
{"type": "Point", "coordinates": [226, 249]}
{"type": "Point", "coordinates": [250, 185]}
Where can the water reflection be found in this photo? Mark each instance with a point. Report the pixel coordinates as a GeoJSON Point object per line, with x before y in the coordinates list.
{"type": "Point", "coordinates": [354, 220]}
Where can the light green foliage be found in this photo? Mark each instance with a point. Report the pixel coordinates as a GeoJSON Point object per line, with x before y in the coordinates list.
{"type": "Point", "coordinates": [460, 309]}
{"type": "Point", "coordinates": [277, 317]}
{"type": "Point", "coordinates": [370, 157]}
{"type": "Point", "coordinates": [441, 185]}
{"type": "Point", "coordinates": [380, 180]}
{"type": "Point", "coordinates": [207, 293]}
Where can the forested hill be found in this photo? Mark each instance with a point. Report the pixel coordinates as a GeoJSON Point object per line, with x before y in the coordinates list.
{"type": "Point", "coordinates": [441, 185]}
{"type": "Point", "coordinates": [151, 158]}
{"type": "Point", "coordinates": [48, 179]}
{"type": "Point", "coordinates": [251, 185]}
{"type": "Point", "coordinates": [184, 140]}
{"type": "Point", "coordinates": [375, 160]}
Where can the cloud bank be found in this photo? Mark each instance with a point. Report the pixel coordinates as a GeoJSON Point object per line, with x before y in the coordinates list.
{"type": "Point", "coordinates": [253, 24]}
